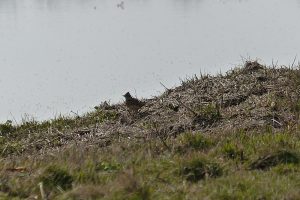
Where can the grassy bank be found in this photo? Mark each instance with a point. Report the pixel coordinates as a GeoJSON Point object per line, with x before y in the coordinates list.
{"type": "Point", "coordinates": [230, 136]}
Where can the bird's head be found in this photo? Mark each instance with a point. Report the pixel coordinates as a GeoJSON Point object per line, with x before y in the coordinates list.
{"type": "Point", "coordinates": [127, 95]}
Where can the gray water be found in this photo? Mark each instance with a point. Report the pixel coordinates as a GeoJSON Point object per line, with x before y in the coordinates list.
{"type": "Point", "coordinates": [58, 56]}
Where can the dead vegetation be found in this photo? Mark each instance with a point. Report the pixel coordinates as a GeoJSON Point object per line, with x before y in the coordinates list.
{"type": "Point", "coordinates": [250, 98]}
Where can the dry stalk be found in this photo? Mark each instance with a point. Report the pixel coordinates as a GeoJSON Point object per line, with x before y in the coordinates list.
{"type": "Point", "coordinates": [157, 133]}
{"type": "Point", "coordinates": [188, 108]}
{"type": "Point", "coordinates": [43, 194]}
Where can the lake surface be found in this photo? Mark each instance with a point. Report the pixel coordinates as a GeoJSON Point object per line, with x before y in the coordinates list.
{"type": "Point", "coordinates": [58, 56]}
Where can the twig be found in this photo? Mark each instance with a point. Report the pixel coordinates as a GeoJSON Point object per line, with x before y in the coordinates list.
{"type": "Point", "coordinates": [77, 115]}
{"type": "Point", "coordinates": [43, 195]}
{"type": "Point", "coordinates": [159, 136]}
{"type": "Point", "coordinates": [189, 109]}
{"type": "Point", "coordinates": [294, 61]}
{"type": "Point", "coordinates": [165, 87]}
{"type": "Point", "coordinates": [274, 120]}
{"type": "Point", "coordinates": [274, 64]}
{"type": "Point", "coordinates": [3, 151]}
{"type": "Point", "coordinates": [14, 118]}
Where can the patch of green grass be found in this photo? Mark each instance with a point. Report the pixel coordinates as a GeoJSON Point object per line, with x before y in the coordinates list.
{"type": "Point", "coordinates": [209, 167]}
{"type": "Point", "coordinates": [55, 176]}
{"type": "Point", "coordinates": [195, 141]}
{"type": "Point", "coordinates": [207, 115]}
{"type": "Point", "coordinates": [275, 158]}
{"type": "Point", "coordinates": [258, 144]}
{"type": "Point", "coordinates": [286, 169]}
{"type": "Point", "coordinates": [106, 166]}
{"type": "Point", "coordinates": [210, 111]}
{"type": "Point", "coordinates": [95, 172]}
{"type": "Point", "coordinates": [6, 128]}
{"type": "Point", "coordinates": [87, 174]}
{"type": "Point", "coordinates": [147, 170]}
{"type": "Point", "coordinates": [13, 147]}
{"type": "Point", "coordinates": [61, 123]}
{"type": "Point", "coordinates": [231, 151]}
{"type": "Point", "coordinates": [198, 168]}
{"type": "Point", "coordinates": [99, 116]}
{"type": "Point", "coordinates": [250, 185]}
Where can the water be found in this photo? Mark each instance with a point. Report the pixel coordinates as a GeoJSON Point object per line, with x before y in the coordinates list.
{"type": "Point", "coordinates": [58, 56]}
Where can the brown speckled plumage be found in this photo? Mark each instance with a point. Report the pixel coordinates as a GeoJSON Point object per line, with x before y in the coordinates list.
{"type": "Point", "coordinates": [132, 103]}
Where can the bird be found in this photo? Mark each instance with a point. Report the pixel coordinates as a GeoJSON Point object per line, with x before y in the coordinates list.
{"type": "Point", "coordinates": [132, 103]}
{"type": "Point", "coordinates": [121, 5]}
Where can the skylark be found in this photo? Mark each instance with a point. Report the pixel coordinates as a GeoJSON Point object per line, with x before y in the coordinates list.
{"type": "Point", "coordinates": [132, 103]}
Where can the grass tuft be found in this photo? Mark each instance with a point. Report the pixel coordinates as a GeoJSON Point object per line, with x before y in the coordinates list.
{"type": "Point", "coordinates": [55, 176]}
{"type": "Point", "coordinates": [196, 169]}
{"type": "Point", "coordinates": [6, 128]}
{"type": "Point", "coordinates": [195, 141]}
{"type": "Point", "coordinates": [273, 159]}
{"type": "Point", "coordinates": [231, 151]}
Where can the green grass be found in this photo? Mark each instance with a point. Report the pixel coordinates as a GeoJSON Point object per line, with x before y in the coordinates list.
{"type": "Point", "coordinates": [55, 176]}
{"type": "Point", "coordinates": [206, 167]}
